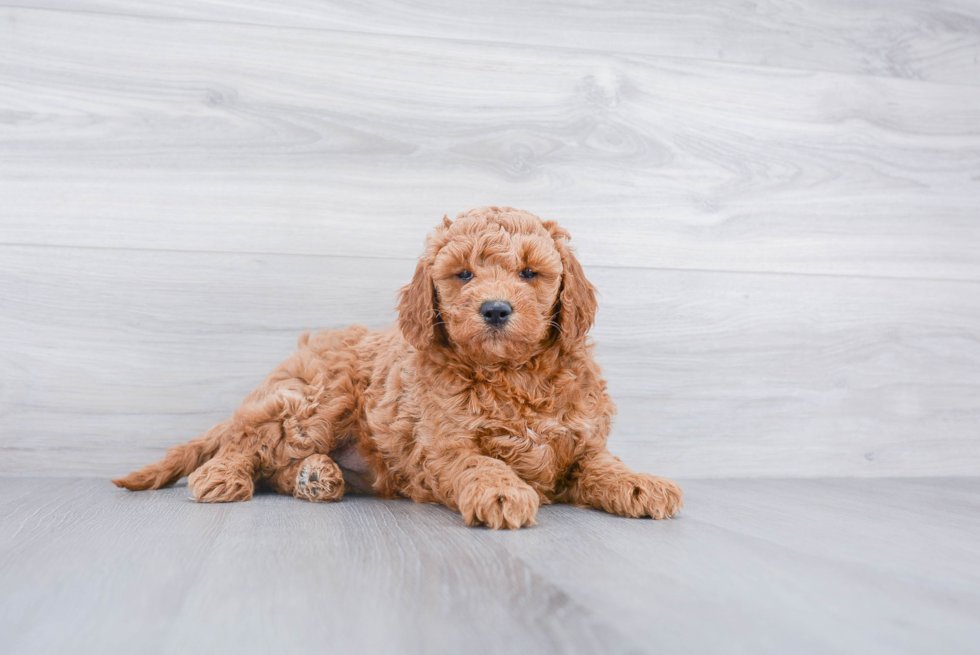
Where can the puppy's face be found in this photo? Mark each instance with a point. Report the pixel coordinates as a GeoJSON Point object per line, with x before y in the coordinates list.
{"type": "Point", "coordinates": [497, 285]}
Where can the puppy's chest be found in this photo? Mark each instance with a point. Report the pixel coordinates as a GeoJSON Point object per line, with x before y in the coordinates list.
{"type": "Point", "coordinates": [535, 449]}
{"type": "Point", "coordinates": [523, 430]}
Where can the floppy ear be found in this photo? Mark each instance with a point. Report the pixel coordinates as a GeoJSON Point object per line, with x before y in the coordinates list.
{"type": "Point", "coordinates": [576, 306]}
{"type": "Point", "coordinates": [418, 308]}
{"type": "Point", "coordinates": [417, 311]}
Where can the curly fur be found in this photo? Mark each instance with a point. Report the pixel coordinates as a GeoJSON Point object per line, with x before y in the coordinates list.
{"type": "Point", "coordinates": [491, 422]}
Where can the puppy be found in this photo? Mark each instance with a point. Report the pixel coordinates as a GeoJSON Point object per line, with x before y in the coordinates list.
{"type": "Point", "coordinates": [485, 396]}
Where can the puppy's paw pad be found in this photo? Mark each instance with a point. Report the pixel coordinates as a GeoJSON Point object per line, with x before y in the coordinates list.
{"type": "Point", "coordinates": [319, 480]}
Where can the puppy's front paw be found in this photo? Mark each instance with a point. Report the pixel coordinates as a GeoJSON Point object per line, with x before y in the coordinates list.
{"type": "Point", "coordinates": [641, 494]}
{"type": "Point", "coordinates": [319, 480]}
{"type": "Point", "coordinates": [508, 506]}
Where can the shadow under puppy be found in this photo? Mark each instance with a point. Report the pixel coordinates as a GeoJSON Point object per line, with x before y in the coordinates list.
{"type": "Point", "coordinates": [484, 397]}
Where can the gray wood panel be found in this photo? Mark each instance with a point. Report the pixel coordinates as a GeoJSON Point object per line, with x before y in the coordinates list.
{"type": "Point", "coordinates": [916, 39]}
{"type": "Point", "coordinates": [110, 356]}
{"type": "Point", "coordinates": [131, 132]}
{"type": "Point", "coordinates": [774, 566]}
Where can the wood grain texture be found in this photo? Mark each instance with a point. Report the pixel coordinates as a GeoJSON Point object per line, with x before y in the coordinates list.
{"type": "Point", "coordinates": [774, 566]}
{"type": "Point", "coordinates": [131, 132]}
{"type": "Point", "coordinates": [111, 356]}
{"type": "Point", "coordinates": [915, 39]}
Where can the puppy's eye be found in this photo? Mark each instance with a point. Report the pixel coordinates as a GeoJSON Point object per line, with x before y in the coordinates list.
{"type": "Point", "coordinates": [464, 275]}
{"type": "Point", "coordinates": [528, 274]}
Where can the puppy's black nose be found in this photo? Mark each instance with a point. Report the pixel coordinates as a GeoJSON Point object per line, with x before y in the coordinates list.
{"type": "Point", "coordinates": [496, 312]}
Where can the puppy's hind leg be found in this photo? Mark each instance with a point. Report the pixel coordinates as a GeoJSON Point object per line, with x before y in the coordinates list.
{"type": "Point", "coordinates": [179, 461]}
{"type": "Point", "coordinates": [231, 475]}
{"type": "Point", "coordinates": [316, 478]}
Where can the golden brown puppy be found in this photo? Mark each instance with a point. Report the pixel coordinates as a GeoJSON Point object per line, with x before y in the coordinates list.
{"type": "Point", "coordinates": [484, 397]}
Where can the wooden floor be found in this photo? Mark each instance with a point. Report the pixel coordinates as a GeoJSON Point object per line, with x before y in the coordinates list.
{"type": "Point", "coordinates": [780, 566]}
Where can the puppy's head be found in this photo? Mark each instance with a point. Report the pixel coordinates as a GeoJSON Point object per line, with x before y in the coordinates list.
{"type": "Point", "coordinates": [497, 284]}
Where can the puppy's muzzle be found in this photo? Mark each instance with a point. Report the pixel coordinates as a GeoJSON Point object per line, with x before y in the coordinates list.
{"type": "Point", "coordinates": [496, 312]}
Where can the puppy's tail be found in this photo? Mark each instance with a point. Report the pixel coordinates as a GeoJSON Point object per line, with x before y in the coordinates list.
{"type": "Point", "coordinates": [179, 461]}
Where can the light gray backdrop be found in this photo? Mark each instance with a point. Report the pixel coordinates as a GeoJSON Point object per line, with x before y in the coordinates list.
{"type": "Point", "coordinates": [780, 207]}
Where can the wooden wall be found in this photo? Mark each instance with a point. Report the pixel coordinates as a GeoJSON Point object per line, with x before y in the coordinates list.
{"type": "Point", "coordinates": [779, 202]}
